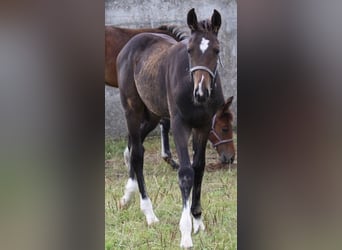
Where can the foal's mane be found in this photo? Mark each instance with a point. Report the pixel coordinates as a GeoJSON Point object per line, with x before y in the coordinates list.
{"type": "Point", "coordinates": [174, 31]}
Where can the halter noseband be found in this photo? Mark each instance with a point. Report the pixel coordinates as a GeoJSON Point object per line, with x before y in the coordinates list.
{"type": "Point", "coordinates": [212, 74]}
{"type": "Point", "coordinates": [217, 137]}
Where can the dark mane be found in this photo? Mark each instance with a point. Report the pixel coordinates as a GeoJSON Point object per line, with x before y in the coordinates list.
{"type": "Point", "coordinates": [174, 31]}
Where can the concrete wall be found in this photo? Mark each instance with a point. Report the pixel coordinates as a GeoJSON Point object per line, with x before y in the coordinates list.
{"type": "Point", "coordinates": [152, 13]}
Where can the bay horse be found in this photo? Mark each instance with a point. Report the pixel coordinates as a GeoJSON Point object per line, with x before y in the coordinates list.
{"type": "Point", "coordinates": [221, 138]}
{"type": "Point", "coordinates": [161, 77]}
{"type": "Point", "coordinates": [116, 38]}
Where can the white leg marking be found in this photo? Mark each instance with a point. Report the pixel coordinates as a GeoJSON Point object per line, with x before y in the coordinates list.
{"type": "Point", "coordinates": [127, 158]}
{"type": "Point", "coordinates": [130, 188]}
{"type": "Point", "coordinates": [163, 153]}
{"type": "Point", "coordinates": [198, 225]}
{"type": "Point", "coordinates": [204, 44]}
{"type": "Point", "coordinates": [146, 208]}
{"type": "Point", "coordinates": [185, 227]}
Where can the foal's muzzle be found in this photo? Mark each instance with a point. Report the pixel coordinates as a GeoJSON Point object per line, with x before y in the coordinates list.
{"type": "Point", "coordinates": [202, 90]}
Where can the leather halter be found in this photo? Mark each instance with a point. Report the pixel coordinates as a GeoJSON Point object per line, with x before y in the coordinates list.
{"type": "Point", "coordinates": [212, 74]}
{"type": "Point", "coordinates": [217, 137]}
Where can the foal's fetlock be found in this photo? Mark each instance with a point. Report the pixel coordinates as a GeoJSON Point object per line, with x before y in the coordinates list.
{"type": "Point", "coordinates": [147, 209]}
{"type": "Point", "coordinates": [171, 162]}
{"type": "Point", "coordinates": [130, 188]}
{"type": "Point", "coordinates": [198, 225]}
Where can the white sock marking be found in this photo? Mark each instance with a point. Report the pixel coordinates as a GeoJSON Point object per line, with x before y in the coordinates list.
{"type": "Point", "coordinates": [127, 158]}
{"type": "Point", "coordinates": [131, 187]}
{"type": "Point", "coordinates": [163, 153]}
{"type": "Point", "coordinates": [198, 225]}
{"type": "Point", "coordinates": [185, 227]}
{"type": "Point", "coordinates": [204, 44]}
{"type": "Point", "coordinates": [146, 208]}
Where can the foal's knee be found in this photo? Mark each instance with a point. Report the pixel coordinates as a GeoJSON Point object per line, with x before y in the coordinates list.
{"type": "Point", "coordinates": [186, 180]}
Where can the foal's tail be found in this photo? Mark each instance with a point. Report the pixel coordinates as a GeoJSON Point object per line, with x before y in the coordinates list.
{"type": "Point", "coordinates": [174, 31]}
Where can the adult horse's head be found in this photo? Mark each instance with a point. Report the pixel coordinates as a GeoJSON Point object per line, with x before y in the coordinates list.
{"type": "Point", "coordinates": [203, 49]}
{"type": "Point", "coordinates": [221, 134]}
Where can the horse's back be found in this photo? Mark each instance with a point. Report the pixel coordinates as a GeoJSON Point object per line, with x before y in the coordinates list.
{"type": "Point", "coordinates": [140, 66]}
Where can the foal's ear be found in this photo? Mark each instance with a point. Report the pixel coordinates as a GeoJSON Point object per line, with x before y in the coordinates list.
{"type": "Point", "coordinates": [192, 20]}
{"type": "Point", "coordinates": [227, 105]}
{"type": "Point", "coordinates": [229, 101]}
{"type": "Point", "coordinates": [224, 110]}
{"type": "Point", "coordinates": [216, 21]}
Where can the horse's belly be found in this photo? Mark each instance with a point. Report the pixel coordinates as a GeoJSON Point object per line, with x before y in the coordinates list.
{"type": "Point", "coordinates": [154, 97]}
{"type": "Point", "coordinates": [150, 79]}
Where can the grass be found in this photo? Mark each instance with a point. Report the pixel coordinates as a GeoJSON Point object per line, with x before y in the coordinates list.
{"type": "Point", "coordinates": [127, 228]}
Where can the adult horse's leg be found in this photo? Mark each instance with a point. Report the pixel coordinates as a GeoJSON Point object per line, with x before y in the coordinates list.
{"type": "Point", "coordinates": [165, 145]}
{"type": "Point", "coordinates": [181, 135]}
{"type": "Point", "coordinates": [199, 146]}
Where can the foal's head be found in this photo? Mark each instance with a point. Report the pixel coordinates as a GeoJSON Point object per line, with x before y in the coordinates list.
{"type": "Point", "coordinates": [203, 49]}
{"type": "Point", "coordinates": [221, 134]}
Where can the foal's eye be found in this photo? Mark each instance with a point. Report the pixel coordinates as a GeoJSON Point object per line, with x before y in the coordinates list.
{"type": "Point", "coordinates": [189, 51]}
{"type": "Point", "coordinates": [225, 130]}
{"type": "Point", "coordinates": [216, 51]}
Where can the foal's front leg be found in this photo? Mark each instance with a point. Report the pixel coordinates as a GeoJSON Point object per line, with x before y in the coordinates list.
{"type": "Point", "coordinates": [199, 146]}
{"type": "Point", "coordinates": [181, 135]}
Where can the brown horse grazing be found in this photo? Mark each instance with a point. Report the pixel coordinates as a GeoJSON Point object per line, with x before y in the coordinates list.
{"type": "Point", "coordinates": [220, 136]}
{"type": "Point", "coordinates": [115, 39]}
{"type": "Point", "coordinates": [160, 77]}
{"type": "Point", "coordinates": [221, 133]}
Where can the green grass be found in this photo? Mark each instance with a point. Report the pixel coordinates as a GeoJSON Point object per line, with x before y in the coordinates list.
{"type": "Point", "coordinates": [127, 228]}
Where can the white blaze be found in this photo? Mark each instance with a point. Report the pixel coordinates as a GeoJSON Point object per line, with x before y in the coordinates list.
{"type": "Point", "coordinates": [200, 92]}
{"type": "Point", "coordinates": [204, 45]}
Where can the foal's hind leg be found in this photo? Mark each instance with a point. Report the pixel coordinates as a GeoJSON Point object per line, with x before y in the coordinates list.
{"type": "Point", "coordinates": [166, 153]}
{"type": "Point", "coordinates": [137, 134]}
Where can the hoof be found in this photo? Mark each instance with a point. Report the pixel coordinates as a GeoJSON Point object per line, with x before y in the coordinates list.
{"type": "Point", "coordinates": [186, 243]}
{"type": "Point", "coordinates": [171, 162]}
{"type": "Point", "coordinates": [198, 225]}
{"type": "Point", "coordinates": [152, 220]}
{"type": "Point", "coordinates": [123, 203]}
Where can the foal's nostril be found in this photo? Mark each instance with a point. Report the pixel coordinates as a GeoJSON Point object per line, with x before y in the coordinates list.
{"type": "Point", "coordinates": [227, 159]}
{"type": "Point", "coordinates": [200, 95]}
{"type": "Point", "coordinates": [232, 159]}
{"type": "Point", "coordinates": [224, 158]}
